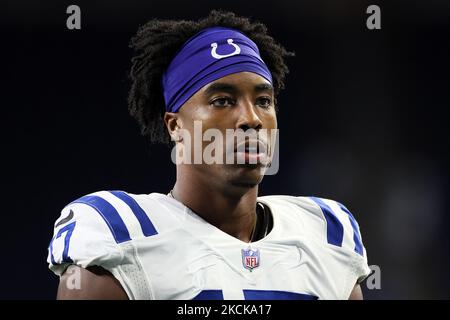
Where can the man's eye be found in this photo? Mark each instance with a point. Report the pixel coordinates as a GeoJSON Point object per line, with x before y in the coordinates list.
{"type": "Point", "coordinates": [264, 102]}
{"type": "Point", "coordinates": [222, 102]}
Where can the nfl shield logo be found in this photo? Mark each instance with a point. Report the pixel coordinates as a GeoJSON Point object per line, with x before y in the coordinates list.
{"type": "Point", "coordinates": [250, 258]}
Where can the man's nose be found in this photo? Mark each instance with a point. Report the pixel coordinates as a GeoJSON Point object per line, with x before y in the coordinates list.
{"type": "Point", "coordinates": [248, 117]}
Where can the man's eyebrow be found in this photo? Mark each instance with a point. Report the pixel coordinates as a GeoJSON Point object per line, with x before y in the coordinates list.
{"type": "Point", "coordinates": [220, 87]}
{"type": "Point", "coordinates": [263, 87]}
{"type": "Point", "coordinates": [227, 87]}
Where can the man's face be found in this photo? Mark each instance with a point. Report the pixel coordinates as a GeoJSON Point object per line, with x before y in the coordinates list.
{"type": "Point", "coordinates": [238, 101]}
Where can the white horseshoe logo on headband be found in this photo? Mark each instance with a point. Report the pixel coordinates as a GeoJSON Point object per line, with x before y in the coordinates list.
{"type": "Point", "coordinates": [237, 50]}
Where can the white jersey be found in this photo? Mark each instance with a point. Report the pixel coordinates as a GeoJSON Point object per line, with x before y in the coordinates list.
{"type": "Point", "coordinates": [159, 249]}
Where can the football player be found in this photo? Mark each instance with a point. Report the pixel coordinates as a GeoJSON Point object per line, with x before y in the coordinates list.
{"type": "Point", "coordinates": [211, 236]}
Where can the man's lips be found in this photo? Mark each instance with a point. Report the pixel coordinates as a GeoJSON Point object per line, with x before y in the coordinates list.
{"type": "Point", "coordinates": [252, 147]}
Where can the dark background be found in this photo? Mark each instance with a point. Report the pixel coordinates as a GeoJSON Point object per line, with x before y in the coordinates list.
{"type": "Point", "coordinates": [363, 120]}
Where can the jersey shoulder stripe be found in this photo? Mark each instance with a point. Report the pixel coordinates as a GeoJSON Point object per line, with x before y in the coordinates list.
{"type": "Point", "coordinates": [148, 229]}
{"type": "Point", "coordinates": [335, 229]}
{"type": "Point", "coordinates": [356, 233]}
{"type": "Point", "coordinates": [109, 215]}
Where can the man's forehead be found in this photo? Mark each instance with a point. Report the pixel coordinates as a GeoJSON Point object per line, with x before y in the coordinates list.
{"type": "Point", "coordinates": [236, 82]}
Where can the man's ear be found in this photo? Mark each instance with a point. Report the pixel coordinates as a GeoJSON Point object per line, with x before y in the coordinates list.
{"type": "Point", "coordinates": [172, 121]}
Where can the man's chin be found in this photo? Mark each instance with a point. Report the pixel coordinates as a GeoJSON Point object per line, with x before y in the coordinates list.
{"type": "Point", "coordinates": [247, 176]}
{"type": "Point", "coordinates": [244, 184]}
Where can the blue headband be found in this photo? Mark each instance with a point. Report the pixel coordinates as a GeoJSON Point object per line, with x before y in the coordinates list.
{"type": "Point", "coordinates": [209, 55]}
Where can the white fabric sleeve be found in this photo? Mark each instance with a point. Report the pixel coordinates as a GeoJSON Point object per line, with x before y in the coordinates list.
{"type": "Point", "coordinates": [353, 239]}
{"type": "Point", "coordinates": [82, 236]}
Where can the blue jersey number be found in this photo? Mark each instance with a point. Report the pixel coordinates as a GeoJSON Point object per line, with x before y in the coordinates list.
{"type": "Point", "coordinates": [65, 256]}
{"type": "Point", "coordinates": [257, 295]}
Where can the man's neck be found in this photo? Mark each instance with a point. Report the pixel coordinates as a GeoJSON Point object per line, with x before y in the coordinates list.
{"type": "Point", "coordinates": [232, 209]}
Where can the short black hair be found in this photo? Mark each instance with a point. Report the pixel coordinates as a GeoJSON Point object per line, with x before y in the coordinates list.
{"type": "Point", "coordinates": [156, 44]}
